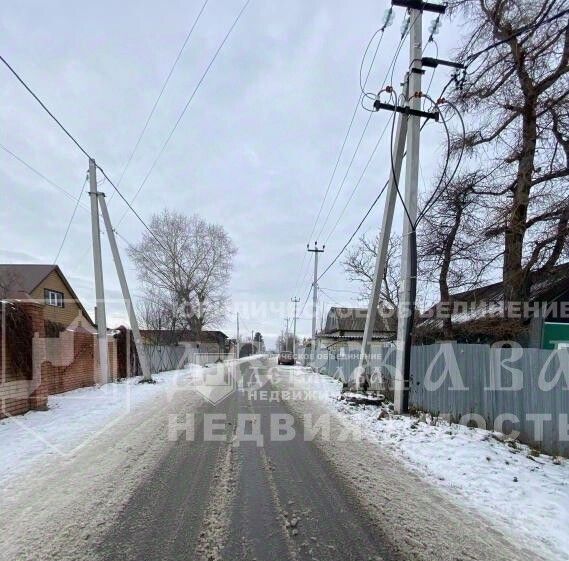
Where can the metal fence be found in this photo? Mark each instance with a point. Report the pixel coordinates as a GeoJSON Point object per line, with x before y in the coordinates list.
{"type": "Point", "coordinates": [162, 358]}
{"type": "Point", "coordinates": [208, 358]}
{"type": "Point", "coordinates": [506, 389]}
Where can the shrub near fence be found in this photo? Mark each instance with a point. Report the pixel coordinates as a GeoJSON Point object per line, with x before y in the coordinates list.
{"type": "Point", "coordinates": [507, 389]}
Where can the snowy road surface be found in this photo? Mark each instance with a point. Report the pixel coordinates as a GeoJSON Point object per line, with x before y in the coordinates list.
{"type": "Point", "coordinates": [147, 489]}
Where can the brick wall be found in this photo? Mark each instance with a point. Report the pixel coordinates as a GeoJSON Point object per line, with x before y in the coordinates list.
{"type": "Point", "coordinates": [22, 391]}
{"type": "Point", "coordinates": [60, 364]}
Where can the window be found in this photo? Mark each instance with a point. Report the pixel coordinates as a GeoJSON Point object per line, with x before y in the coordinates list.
{"type": "Point", "coordinates": [53, 298]}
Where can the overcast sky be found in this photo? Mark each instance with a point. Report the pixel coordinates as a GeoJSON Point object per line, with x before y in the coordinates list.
{"type": "Point", "coordinates": [254, 151]}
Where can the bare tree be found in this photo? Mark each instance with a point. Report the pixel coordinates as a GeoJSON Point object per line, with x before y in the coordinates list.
{"type": "Point", "coordinates": [515, 97]}
{"type": "Point", "coordinates": [214, 275]}
{"type": "Point", "coordinates": [184, 268]}
{"type": "Point", "coordinates": [163, 318]}
{"type": "Point", "coordinates": [449, 244]}
{"type": "Point", "coordinates": [359, 265]}
{"type": "Point", "coordinates": [285, 342]}
{"type": "Point", "coordinates": [9, 281]}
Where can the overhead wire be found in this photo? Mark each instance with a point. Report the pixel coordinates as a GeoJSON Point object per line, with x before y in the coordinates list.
{"type": "Point", "coordinates": [75, 141]}
{"type": "Point", "coordinates": [355, 231]}
{"type": "Point", "coordinates": [188, 102]}
{"type": "Point", "coordinates": [345, 140]}
{"type": "Point", "coordinates": [162, 89]}
{"type": "Point", "coordinates": [390, 71]}
{"type": "Point", "coordinates": [33, 94]}
{"type": "Point", "coordinates": [70, 220]}
{"type": "Point", "coordinates": [434, 196]}
{"type": "Point", "coordinates": [84, 151]}
{"type": "Point", "coordinates": [357, 184]}
{"type": "Point", "coordinates": [42, 176]}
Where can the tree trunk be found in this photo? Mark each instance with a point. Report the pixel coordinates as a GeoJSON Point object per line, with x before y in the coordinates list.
{"type": "Point", "coordinates": [443, 275]}
{"type": "Point", "coordinates": [516, 280]}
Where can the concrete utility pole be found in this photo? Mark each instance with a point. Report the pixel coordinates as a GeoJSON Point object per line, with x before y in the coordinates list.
{"type": "Point", "coordinates": [316, 251]}
{"type": "Point", "coordinates": [146, 374]}
{"type": "Point", "coordinates": [100, 313]}
{"type": "Point", "coordinates": [237, 339]}
{"type": "Point", "coordinates": [286, 334]}
{"type": "Point", "coordinates": [296, 301]}
{"type": "Point", "coordinates": [384, 236]}
{"type": "Point", "coordinates": [408, 288]}
{"type": "Point", "coordinates": [406, 299]}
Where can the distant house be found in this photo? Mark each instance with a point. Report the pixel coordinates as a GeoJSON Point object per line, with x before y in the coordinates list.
{"type": "Point", "coordinates": [344, 329]}
{"type": "Point", "coordinates": [47, 285]}
{"type": "Point", "coordinates": [480, 315]}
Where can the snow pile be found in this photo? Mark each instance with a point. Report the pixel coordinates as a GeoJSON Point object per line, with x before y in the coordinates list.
{"type": "Point", "coordinates": [502, 479]}
{"type": "Point", "coordinates": [74, 417]}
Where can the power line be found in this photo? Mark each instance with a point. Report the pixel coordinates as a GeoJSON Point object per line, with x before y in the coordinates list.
{"type": "Point", "coordinates": [360, 97]}
{"type": "Point", "coordinates": [181, 115]}
{"type": "Point", "coordinates": [359, 180]}
{"type": "Point", "coordinates": [306, 300]}
{"type": "Point", "coordinates": [529, 27]}
{"type": "Point", "coordinates": [20, 79]}
{"type": "Point", "coordinates": [355, 231]}
{"type": "Point", "coordinates": [46, 179]}
{"type": "Point", "coordinates": [524, 29]}
{"type": "Point", "coordinates": [435, 197]}
{"type": "Point", "coordinates": [70, 220]}
{"type": "Point", "coordinates": [343, 145]}
{"type": "Point", "coordinates": [299, 284]}
{"type": "Point", "coordinates": [172, 68]}
{"type": "Point", "coordinates": [70, 136]}
{"type": "Point", "coordinates": [341, 290]}
{"type": "Point", "coordinates": [391, 69]}
{"type": "Point", "coordinates": [157, 239]}
{"type": "Point", "coordinates": [88, 156]}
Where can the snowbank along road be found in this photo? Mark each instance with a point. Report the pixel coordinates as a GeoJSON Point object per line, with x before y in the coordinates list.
{"type": "Point", "coordinates": [264, 473]}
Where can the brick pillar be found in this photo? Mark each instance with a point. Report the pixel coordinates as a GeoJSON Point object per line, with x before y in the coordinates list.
{"type": "Point", "coordinates": [39, 386]}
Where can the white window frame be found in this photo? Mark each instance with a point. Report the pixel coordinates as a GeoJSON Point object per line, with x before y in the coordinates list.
{"type": "Point", "coordinates": [53, 298]}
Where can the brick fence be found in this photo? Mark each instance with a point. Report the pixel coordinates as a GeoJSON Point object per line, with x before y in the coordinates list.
{"type": "Point", "coordinates": [59, 364]}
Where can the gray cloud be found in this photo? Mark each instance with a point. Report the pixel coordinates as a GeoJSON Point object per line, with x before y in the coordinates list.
{"type": "Point", "coordinates": [254, 151]}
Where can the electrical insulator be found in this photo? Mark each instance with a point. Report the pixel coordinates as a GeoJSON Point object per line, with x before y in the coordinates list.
{"type": "Point", "coordinates": [405, 26]}
{"type": "Point", "coordinates": [388, 17]}
{"type": "Point", "coordinates": [435, 26]}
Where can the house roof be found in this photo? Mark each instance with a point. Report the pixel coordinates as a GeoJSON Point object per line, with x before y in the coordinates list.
{"type": "Point", "coordinates": [336, 337]}
{"type": "Point", "coordinates": [187, 336]}
{"type": "Point", "coordinates": [354, 319]}
{"type": "Point", "coordinates": [25, 277]}
{"type": "Point", "coordinates": [487, 301]}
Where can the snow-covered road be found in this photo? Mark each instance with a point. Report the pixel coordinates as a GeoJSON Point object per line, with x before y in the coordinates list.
{"type": "Point", "coordinates": [131, 491]}
{"type": "Point", "coordinates": [519, 492]}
